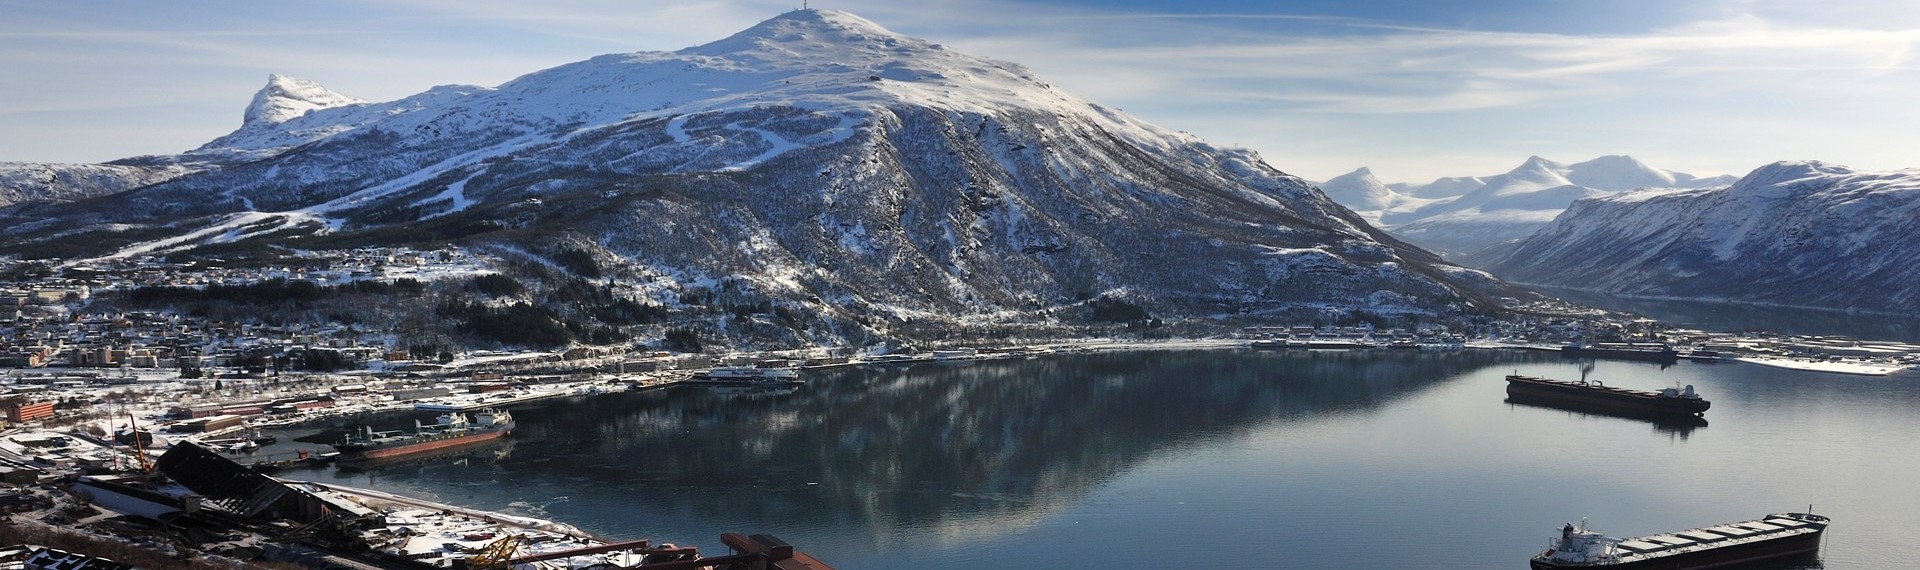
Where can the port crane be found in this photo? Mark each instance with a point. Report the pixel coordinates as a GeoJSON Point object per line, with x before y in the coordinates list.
{"type": "Point", "coordinates": [139, 449]}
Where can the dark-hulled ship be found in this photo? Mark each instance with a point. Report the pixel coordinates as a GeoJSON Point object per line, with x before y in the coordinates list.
{"type": "Point", "coordinates": [1771, 538]}
{"type": "Point", "coordinates": [449, 430]}
{"type": "Point", "coordinates": [1648, 351]}
{"type": "Point", "coordinates": [1594, 395]}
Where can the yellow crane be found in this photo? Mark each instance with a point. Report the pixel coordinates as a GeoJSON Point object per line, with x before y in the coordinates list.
{"type": "Point", "coordinates": [497, 553]}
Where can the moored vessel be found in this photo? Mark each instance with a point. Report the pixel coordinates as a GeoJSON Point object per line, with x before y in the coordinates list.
{"type": "Point", "coordinates": [1593, 394]}
{"type": "Point", "coordinates": [448, 430]}
{"type": "Point", "coordinates": [1648, 351]}
{"type": "Point", "coordinates": [1337, 344]}
{"type": "Point", "coordinates": [746, 376]}
{"type": "Point", "coordinates": [1774, 537]}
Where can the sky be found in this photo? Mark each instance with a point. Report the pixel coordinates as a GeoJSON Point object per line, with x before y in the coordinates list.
{"type": "Point", "coordinates": [1413, 89]}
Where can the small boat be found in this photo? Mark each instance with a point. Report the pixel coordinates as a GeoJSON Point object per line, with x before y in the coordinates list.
{"type": "Point", "coordinates": [234, 445]}
{"type": "Point", "coordinates": [1775, 537]}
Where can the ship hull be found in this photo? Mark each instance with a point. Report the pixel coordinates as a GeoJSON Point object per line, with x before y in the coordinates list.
{"type": "Point", "coordinates": [355, 453]}
{"type": "Point", "coordinates": [1559, 394]}
{"type": "Point", "coordinates": [1783, 550]}
{"type": "Point", "coordinates": [740, 373]}
{"type": "Point", "coordinates": [1678, 423]}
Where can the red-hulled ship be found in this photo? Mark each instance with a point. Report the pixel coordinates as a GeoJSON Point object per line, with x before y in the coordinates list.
{"type": "Point", "coordinates": [1593, 394]}
{"type": "Point", "coordinates": [1771, 538]}
{"type": "Point", "coordinates": [449, 430]}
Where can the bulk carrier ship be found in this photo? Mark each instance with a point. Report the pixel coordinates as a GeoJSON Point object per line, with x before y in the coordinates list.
{"type": "Point", "coordinates": [1651, 352]}
{"type": "Point", "coordinates": [748, 376]}
{"type": "Point", "coordinates": [1594, 395]}
{"type": "Point", "coordinates": [1774, 537]}
{"type": "Point", "coordinates": [449, 430]}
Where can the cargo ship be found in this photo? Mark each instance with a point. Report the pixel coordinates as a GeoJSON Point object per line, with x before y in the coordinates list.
{"type": "Point", "coordinates": [1775, 537]}
{"type": "Point", "coordinates": [1594, 395]}
{"type": "Point", "coordinates": [449, 430]}
{"type": "Point", "coordinates": [1648, 351]}
{"type": "Point", "coordinates": [746, 376]}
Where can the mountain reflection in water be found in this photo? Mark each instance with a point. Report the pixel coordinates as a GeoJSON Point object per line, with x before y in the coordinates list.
{"type": "Point", "coordinates": [972, 449]}
{"type": "Point", "coordinates": [1297, 459]}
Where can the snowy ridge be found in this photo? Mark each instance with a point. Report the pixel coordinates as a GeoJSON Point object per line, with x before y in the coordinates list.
{"type": "Point", "coordinates": [33, 181]}
{"type": "Point", "coordinates": [1801, 233]}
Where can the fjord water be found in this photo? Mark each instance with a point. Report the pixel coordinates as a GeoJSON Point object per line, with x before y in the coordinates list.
{"type": "Point", "coordinates": [1198, 459]}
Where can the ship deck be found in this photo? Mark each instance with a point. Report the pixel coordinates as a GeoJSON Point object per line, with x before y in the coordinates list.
{"type": "Point", "coordinates": [1637, 551]}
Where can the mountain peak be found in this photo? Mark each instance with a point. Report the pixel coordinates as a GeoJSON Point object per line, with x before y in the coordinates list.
{"type": "Point", "coordinates": [1537, 162]}
{"type": "Point", "coordinates": [1790, 170]}
{"type": "Point", "coordinates": [285, 98]}
{"type": "Point", "coordinates": [806, 31]}
{"type": "Point", "coordinates": [1616, 160]}
{"type": "Point", "coordinates": [1358, 190]}
{"type": "Point", "coordinates": [1619, 172]}
{"type": "Point", "coordinates": [1536, 172]}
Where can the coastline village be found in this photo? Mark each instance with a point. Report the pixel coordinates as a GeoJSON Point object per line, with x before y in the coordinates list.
{"type": "Point", "coordinates": [108, 442]}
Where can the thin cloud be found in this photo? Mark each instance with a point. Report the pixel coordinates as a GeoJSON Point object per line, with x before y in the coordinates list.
{"type": "Point", "coordinates": [1465, 69]}
{"type": "Point", "coordinates": [1251, 84]}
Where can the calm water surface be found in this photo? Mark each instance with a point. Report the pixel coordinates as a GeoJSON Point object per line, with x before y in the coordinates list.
{"type": "Point", "coordinates": [1213, 459]}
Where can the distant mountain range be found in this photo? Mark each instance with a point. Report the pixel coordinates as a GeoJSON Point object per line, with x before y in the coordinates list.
{"type": "Point", "coordinates": [816, 162]}
{"type": "Point", "coordinates": [1463, 216]}
{"type": "Point", "coordinates": [1805, 234]}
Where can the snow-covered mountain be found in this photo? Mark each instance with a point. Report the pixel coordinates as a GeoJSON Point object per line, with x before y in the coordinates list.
{"type": "Point", "coordinates": [817, 158]}
{"type": "Point", "coordinates": [1462, 216]}
{"type": "Point", "coordinates": [1789, 233]}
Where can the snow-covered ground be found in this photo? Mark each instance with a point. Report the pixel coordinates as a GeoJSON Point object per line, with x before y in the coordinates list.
{"type": "Point", "coordinates": [1857, 368]}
